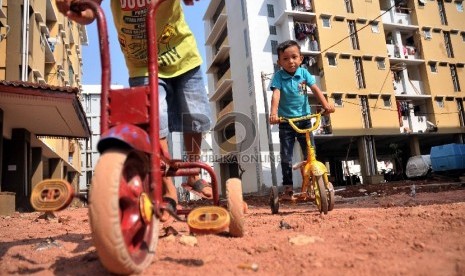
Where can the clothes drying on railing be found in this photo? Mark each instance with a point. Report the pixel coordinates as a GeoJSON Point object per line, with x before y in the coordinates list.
{"type": "Point", "coordinates": [302, 5]}
{"type": "Point", "coordinates": [304, 30]}
{"type": "Point", "coordinates": [403, 108]}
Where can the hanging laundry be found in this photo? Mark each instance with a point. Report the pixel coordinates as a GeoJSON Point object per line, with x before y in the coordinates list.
{"type": "Point", "coordinates": [307, 5]}
{"type": "Point", "coordinates": [299, 31]}
{"type": "Point", "coordinates": [313, 44]}
{"type": "Point", "coordinates": [294, 4]}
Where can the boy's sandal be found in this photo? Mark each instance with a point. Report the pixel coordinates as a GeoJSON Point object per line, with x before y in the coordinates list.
{"type": "Point", "coordinates": [197, 188]}
{"type": "Point", "coordinates": [170, 208]}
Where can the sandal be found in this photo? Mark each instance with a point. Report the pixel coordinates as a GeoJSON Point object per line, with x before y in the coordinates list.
{"type": "Point", "coordinates": [170, 209]}
{"type": "Point", "coordinates": [197, 188]}
{"type": "Point", "coordinates": [288, 194]}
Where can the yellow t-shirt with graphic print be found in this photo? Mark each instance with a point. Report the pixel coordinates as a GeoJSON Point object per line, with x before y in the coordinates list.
{"type": "Point", "coordinates": [177, 49]}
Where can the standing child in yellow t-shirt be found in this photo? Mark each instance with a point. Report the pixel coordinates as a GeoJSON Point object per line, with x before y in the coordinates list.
{"type": "Point", "coordinates": [184, 105]}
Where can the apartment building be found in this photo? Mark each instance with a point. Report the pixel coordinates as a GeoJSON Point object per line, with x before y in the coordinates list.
{"type": "Point", "coordinates": [393, 69]}
{"type": "Point", "coordinates": [40, 81]}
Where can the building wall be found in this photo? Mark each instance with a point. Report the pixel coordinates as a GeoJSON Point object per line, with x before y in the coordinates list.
{"type": "Point", "coordinates": [395, 55]}
{"type": "Point", "coordinates": [52, 56]}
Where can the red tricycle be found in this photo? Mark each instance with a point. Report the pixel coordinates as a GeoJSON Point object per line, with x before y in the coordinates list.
{"type": "Point", "coordinates": [125, 198]}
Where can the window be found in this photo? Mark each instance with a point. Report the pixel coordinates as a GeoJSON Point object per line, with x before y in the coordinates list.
{"type": "Point", "coordinates": [455, 78]}
{"type": "Point", "coordinates": [374, 26]}
{"type": "Point", "coordinates": [349, 6]}
{"type": "Point", "coordinates": [421, 3]}
{"type": "Point", "coordinates": [459, 6]}
{"type": "Point", "coordinates": [242, 10]}
{"type": "Point", "coordinates": [270, 10]}
{"type": "Point", "coordinates": [433, 67]}
{"type": "Point", "coordinates": [246, 40]}
{"type": "Point", "coordinates": [359, 75]}
{"type": "Point", "coordinates": [442, 12]}
{"type": "Point", "coordinates": [337, 100]}
{"type": "Point", "coordinates": [462, 34]}
{"type": "Point", "coordinates": [461, 112]}
{"type": "Point", "coordinates": [365, 112]}
{"type": "Point", "coordinates": [249, 79]}
{"type": "Point", "coordinates": [353, 35]}
{"type": "Point", "coordinates": [70, 74]}
{"type": "Point", "coordinates": [274, 46]}
{"type": "Point", "coordinates": [448, 44]}
{"type": "Point", "coordinates": [87, 104]}
{"type": "Point", "coordinates": [440, 102]}
{"type": "Point", "coordinates": [386, 101]}
{"type": "Point", "coordinates": [332, 60]}
{"type": "Point", "coordinates": [427, 34]}
{"type": "Point", "coordinates": [381, 63]}
{"type": "Point", "coordinates": [326, 21]}
{"type": "Point", "coordinates": [272, 30]}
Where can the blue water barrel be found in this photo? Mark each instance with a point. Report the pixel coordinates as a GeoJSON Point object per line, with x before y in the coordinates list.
{"type": "Point", "coordinates": [448, 157]}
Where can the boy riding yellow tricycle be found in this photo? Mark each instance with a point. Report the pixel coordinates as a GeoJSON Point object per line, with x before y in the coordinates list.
{"type": "Point", "coordinates": [315, 184]}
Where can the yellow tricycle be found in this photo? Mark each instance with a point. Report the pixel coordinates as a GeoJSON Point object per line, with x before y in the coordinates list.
{"type": "Point", "coordinates": [315, 184]}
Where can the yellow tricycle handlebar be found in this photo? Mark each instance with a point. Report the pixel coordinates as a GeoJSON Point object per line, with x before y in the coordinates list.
{"type": "Point", "coordinates": [292, 121]}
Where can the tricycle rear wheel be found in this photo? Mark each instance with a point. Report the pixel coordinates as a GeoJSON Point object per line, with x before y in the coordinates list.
{"type": "Point", "coordinates": [331, 196]}
{"type": "Point", "coordinates": [274, 200]}
{"type": "Point", "coordinates": [235, 207]}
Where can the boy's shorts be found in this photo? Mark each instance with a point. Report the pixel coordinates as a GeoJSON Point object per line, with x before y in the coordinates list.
{"type": "Point", "coordinates": [183, 102]}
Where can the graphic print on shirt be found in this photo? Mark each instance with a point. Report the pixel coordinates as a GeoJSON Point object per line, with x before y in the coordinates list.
{"type": "Point", "coordinates": [132, 37]}
{"type": "Point", "coordinates": [303, 88]}
{"type": "Point", "coordinates": [167, 55]}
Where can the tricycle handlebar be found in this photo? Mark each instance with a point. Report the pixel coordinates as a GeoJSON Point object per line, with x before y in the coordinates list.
{"type": "Point", "coordinates": [292, 121]}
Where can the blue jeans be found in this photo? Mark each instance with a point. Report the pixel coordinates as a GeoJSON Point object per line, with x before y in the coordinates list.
{"type": "Point", "coordinates": [183, 102]}
{"type": "Point", "coordinates": [287, 138]}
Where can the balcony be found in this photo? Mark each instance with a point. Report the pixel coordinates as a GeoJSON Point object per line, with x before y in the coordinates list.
{"type": "Point", "coordinates": [49, 48]}
{"type": "Point", "coordinates": [226, 110]}
{"type": "Point", "coordinates": [300, 16]}
{"type": "Point", "coordinates": [220, 56]}
{"type": "Point", "coordinates": [222, 86]}
{"type": "Point", "coordinates": [413, 117]}
{"type": "Point", "coordinates": [51, 13]}
{"type": "Point", "coordinates": [216, 29]}
{"type": "Point", "coordinates": [411, 88]}
{"type": "Point", "coordinates": [309, 47]}
{"type": "Point", "coordinates": [404, 54]}
{"type": "Point", "coordinates": [228, 146]}
{"type": "Point", "coordinates": [394, 20]}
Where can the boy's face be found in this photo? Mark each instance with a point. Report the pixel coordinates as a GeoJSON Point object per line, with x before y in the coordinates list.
{"type": "Point", "coordinates": [290, 59]}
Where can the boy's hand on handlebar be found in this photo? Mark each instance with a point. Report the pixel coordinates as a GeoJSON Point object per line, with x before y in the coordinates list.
{"type": "Point", "coordinates": [328, 109]}
{"type": "Point", "coordinates": [274, 119]}
{"type": "Point", "coordinates": [75, 11]}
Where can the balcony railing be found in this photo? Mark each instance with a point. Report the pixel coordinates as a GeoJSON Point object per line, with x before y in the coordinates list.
{"type": "Point", "coordinates": [396, 18]}
{"type": "Point", "coordinates": [403, 52]}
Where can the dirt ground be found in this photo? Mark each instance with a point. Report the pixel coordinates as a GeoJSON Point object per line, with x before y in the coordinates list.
{"type": "Point", "coordinates": [382, 229]}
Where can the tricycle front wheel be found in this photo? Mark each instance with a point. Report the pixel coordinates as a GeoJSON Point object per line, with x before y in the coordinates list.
{"type": "Point", "coordinates": [124, 235]}
{"type": "Point", "coordinates": [321, 198]}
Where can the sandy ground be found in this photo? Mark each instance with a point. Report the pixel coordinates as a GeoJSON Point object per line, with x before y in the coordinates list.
{"type": "Point", "coordinates": [373, 230]}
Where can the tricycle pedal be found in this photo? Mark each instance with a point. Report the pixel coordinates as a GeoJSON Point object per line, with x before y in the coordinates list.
{"type": "Point", "coordinates": [51, 195]}
{"type": "Point", "coordinates": [208, 220]}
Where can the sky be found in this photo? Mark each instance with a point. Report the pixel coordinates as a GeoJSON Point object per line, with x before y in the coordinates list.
{"type": "Point", "coordinates": [91, 72]}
